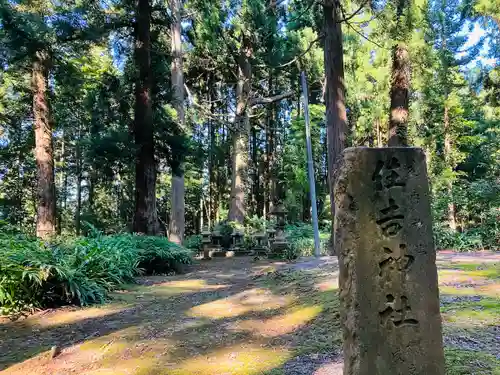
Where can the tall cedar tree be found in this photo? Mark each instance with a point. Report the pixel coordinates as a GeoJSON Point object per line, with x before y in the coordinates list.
{"type": "Point", "coordinates": [44, 152]}
{"type": "Point", "coordinates": [145, 219]}
{"type": "Point", "coordinates": [237, 207]}
{"type": "Point", "coordinates": [336, 115]}
{"type": "Point", "coordinates": [400, 85]}
{"type": "Point", "coordinates": [177, 219]}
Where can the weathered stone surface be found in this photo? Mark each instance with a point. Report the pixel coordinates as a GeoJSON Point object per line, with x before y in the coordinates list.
{"type": "Point", "coordinates": [388, 276]}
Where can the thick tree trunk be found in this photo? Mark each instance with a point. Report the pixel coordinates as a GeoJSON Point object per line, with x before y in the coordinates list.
{"type": "Point", "coordinates": [44, 154]}
{"type": "Point", "coordinates": [336, 115]}
{"type": "Point", "coordinates": [452, 219]}
{"type": "Point", "coordinates": [237, 208]}
{"type": "Point", "coordinates": [145, 219]}
{"type": "Point", "coordinates": [400, 85]}
{"type": "Point", "coordinates": [177, 216]}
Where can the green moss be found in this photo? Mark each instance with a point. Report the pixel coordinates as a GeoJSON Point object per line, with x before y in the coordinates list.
{"type": "Point", "coordinates": [466, 362]}
{"type": "Point", "coordinates": [485, 311]}
{"type": "Point", "coordinates": [488, 270]}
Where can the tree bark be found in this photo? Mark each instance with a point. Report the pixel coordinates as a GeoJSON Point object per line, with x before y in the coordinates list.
{"type": "Point", "coordinates": [237, 208]}
{"type": "Point", "coordinates": [400, 85]}
{"type": "Point", "coordinates": [177, 216]}
{"type": "Point", "coordinates": [145, 218]}
{"type": "Point", "coordinates": [44, 153]}
{"type": "Point", "coordinates": [336, 115]}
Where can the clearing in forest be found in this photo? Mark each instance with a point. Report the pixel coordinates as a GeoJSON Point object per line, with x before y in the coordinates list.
{"type": "Point", "coordinates": [235, 316]}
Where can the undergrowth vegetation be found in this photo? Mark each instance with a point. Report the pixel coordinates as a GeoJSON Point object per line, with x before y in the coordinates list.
{"type": "Point", "coordinates": [82, 271]}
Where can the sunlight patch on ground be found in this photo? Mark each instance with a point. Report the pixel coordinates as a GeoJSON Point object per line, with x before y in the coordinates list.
{"type": "Point", "coordinates": [166, 289]}
{"type": "Point", "coordinates": [491, 290]}
{"type": "Point", "coordinates": [279, 325]}
{"type": "Point", "coordinates": [245, 360]}
{"type": "Point", "coordinates": [327, 286]}
{"type": "Point", "coordinates": [182, 286]}
{"type": "Point", "coordinates": [70, 316]}
{"type": "Point", "coordinates": [252, 300]}
{"type": "Point", "coordinates": [459, 276]}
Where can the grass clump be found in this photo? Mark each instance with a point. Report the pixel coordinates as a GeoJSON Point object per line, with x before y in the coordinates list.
{"type": "Point", "coordinates": [467, 362]}
{"type": "Point", "coordinates": [82, 271]}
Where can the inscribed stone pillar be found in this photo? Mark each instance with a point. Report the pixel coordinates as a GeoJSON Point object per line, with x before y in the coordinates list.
{"type": "Point", "coordinates": [388, 276]}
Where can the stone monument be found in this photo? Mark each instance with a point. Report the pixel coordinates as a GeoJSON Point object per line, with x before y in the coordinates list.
{"type": "Point", "coordinates": [388, 277]}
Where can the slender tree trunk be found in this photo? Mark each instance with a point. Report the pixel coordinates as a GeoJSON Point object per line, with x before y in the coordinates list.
{"type": "Point", "coordinates": [269, 157]}
{"type": "Point", "coordinates": [336, 115]}
{"type": "Point", "coordinates": [255, 174]}
{"type": "Point", "coordinates": [378, 126]}
{"type": "Point", "coordinates": [177, 218]}
{"type": "Point", "coordinates": [44, 153]}
{"type": "Point", "coordinates": [145, 219]}
{"type": "Point", "coordinates": [78, 186]}
{"type": "Point", "coordinates": [452, 219]}
{"type": "Point", "coordinates": [400, 85]}
{"type": "Point", "coordinates": [237, 208]}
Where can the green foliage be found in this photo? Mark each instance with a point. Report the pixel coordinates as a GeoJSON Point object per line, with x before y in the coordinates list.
{"type": "Point", "coordinates": [80, 270]}
{"type": "Point", "coordinates": [301, 239]}
{"type": "Point", "coordinates": [194, 243]}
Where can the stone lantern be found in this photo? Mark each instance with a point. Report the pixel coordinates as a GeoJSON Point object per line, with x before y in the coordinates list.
{"type": "Point", "coordinates": [217, 244]}
{"type": "Point", "coordinates": [206, 242]}
{"type": "Point", "coordinates": [279, 243]}
{"type": "Point", "coordinates": [237, 240]}
{"type": "Point", "coordinates": [261, 247]}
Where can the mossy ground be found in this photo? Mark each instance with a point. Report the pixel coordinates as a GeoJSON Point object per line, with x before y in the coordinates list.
{"type": "Point", "coordinates": [236, 316]}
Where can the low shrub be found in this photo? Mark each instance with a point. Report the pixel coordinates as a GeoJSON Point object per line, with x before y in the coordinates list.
{"type": "Point", "coordinates": [301, 239]}
{"type": "Point", "coordinates": [82, 271]}
{"type": "Point", "coordinates": [194, 243]}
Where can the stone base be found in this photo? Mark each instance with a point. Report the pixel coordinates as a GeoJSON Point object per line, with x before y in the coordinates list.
{"type": "Point", "coordinates": [260, 251]}
{"type": "Point", "coordinates": [387, 259]}
{"type": "Point", "coordinates": [242, 252]}
{"type": "Point", "coordinates": [219, 253]}
{"type": "Point", "coordinates": [277, 249]}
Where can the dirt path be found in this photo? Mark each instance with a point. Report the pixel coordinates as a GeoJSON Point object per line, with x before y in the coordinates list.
{"type": "Point", "coordinates": [236, 316]}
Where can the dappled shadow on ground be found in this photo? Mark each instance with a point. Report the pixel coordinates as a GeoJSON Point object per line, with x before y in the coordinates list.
{"type": "Point", "coordinates": [232, 316]}
{"type": "Point", "coordinates": [225, 317]}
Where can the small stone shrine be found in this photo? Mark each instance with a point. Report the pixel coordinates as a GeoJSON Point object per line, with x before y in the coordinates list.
{"type": "Point", "coordinates": [388, 277]}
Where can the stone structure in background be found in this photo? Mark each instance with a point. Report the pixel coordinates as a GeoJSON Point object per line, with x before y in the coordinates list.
{"type": "Point", "coordinates": [237, 243]}
{"type": "Point", "coordinates": [279, 243]}
{"type": "Point", "coordinates": [206, 241]}
{"type": "Point", "coordinates": [388, 277]}
{"type": "Point", "coordinates": [217, 249]}
{"type": "Point", "coordinates": [261, 247]}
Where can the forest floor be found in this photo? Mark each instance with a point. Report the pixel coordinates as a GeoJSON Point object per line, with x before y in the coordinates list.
{"type": "Point", "coordinates": [236, 316]}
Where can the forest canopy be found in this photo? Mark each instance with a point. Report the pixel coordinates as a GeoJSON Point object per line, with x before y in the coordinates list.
{"type": "Point", "coordinates": [161, 117]}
